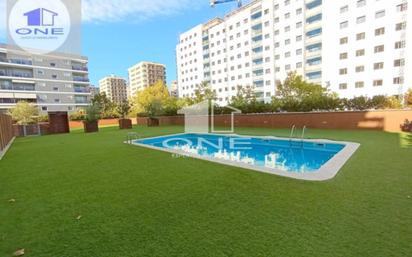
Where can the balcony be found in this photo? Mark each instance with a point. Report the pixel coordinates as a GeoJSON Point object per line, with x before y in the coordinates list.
{"type": "Point", "coordinates": [81, 90]}
{"type": "Point", "coordinates": [8, 73]}
{"type": "Point", "coordinates": [16, 61]}
{"type": "Point", "coordinates": [80, 79]}
{"type": "Point", "coordinates": [79, 68]}
{"type": "Point", "coordinates": [17, 87]}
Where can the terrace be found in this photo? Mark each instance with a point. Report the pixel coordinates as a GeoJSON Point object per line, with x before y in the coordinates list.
{"type": "Point", "coordinates": [92, 195]}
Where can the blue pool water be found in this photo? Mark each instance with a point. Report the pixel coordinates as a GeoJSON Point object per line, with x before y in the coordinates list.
{"type": "Point", "coordinates": [280, 154]}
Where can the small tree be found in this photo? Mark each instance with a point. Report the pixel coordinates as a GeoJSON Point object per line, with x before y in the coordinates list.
{"type": "Point", "coordinates": [152, 98]}
{"type": "Point", "coordinates": [204, 92]}
{"type": "Point", "coordinates": [92, 113]}
{"type": "Point", "coordinates": [393, 102]}
{"type": "Point", "coordinates": [24, 113]}
{"type": "Point", "coordinates": [108, 109]}
{"type": "Point", "coordinates": [124, 109]}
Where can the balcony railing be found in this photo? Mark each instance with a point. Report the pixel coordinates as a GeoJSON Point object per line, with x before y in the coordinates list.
{"type": "Point", "coordinates": [80, 68]}
{"type": "Point", "coordinates": [15, 74]}
{"type": "Point", "coordinates": [17, 87]}
{"type": "Point", "coordinates": [16, 61]}
{"type": "Point", "coordinates": [80, 79]}
{"type": "Point", "coordinates": [81, 90]}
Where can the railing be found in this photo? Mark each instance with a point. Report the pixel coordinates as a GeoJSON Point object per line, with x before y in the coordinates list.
{"type": "Point", "coordinates": [80, 79]}
{"type": "Point", "coordinates": [16, 61]}
{"type": "Point", "coordinates": [14, 74]}
{"type": "Point", "coordinates": [80, 68]}
{"type": "Point", "coordinates": [19, 87]}
{"type": "Point", "coordinates": [6, 132]}
{"type": "Point", "coordinates": [81, 90]}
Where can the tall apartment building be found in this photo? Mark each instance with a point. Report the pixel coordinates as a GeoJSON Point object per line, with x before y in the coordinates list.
{"type": "Point", "coordinates": [145, 74]}
{"type": "Point", "coordinates": [52, 82]}
{"type": "Point", "coordinates": [114, 87]}
{"type": "Point", "coordinates": [353, 47]}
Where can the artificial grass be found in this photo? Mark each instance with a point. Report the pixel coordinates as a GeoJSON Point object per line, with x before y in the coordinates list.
{"type": "Point", "coordinates": [139, 202]}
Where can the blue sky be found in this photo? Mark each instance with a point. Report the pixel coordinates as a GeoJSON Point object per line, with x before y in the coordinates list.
{"type": "Point", "coordinates": [120, 33]}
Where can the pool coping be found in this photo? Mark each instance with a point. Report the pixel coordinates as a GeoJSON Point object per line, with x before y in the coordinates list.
{"type": "Point", "coordinates": [325, 172]}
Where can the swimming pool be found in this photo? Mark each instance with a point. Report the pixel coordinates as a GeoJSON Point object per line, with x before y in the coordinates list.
{"type": "Point", "coordinates": [300, 159]}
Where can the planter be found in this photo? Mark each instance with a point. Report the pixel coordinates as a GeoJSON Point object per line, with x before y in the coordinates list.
{"type": "Point", "coordinates": [406, 128]}
{"type": "Point", "coordinates": [125, 123]}
{"type": "Point", "coordinates": [152, 122]}
{"type": "Point", "coordinates": [91, 126]}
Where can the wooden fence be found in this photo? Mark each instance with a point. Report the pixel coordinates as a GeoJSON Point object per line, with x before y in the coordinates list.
{"type": "Point", "coordinates": [6, 132]}
{"type": "Point", "coordinates": [385, 120]}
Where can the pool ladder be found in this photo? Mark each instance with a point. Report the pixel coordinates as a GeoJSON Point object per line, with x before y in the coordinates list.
{"type": "Point", "coordinates": [291, 136]}
{"type": "Point", "coordinates": [131, 137]}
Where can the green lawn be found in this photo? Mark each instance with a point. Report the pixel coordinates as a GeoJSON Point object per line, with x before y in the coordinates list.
{"type": "Point", "coordinates": [139, 202]}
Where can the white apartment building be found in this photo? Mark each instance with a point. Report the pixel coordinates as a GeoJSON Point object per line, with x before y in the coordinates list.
{"type": "Point", "coordinates": [353, 47]}
{"type": "Point", "coordinates": [114, 87]}
{"type": "Point", "coordinates": [145, 74]}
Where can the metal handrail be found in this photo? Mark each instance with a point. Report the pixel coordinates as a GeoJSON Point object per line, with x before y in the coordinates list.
{"type": "Point", "coordinates": [292, 131]}
{"type": "Point", "coordinates": [303, 134]}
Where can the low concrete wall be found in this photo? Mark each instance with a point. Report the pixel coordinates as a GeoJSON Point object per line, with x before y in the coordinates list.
{"type": "Point", "coordinates": [386, 120]}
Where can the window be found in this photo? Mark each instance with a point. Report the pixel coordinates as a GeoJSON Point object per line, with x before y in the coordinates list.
{"type": "Point", "coordinates": [359, 84]}
{"type": "Point", "coordinates": [379, 49]}
{"type": "Point", "coordinates": [314, 47]}
{"type": "Point", "coordinates": [402, 7]}
{"type": "Point", "coordinates": [400, 44]}
{"type": "Point", "coordinates": [314, 75]}
{"type": "Point", "coordinates": [361, 19]}
{"type": "Point", "coordinates": [378, 66]}
{"type": "Point", "coordinates": [380, 14]}
{"type": "Point", "coordinates": [343, 56]}
{"type": "Point", "coordinates": [343, 71]}
{"type": "Point", "coordinates": [314, 32]}
{"type": "Point", "coordinates": [360, 36]}
{"type": "Point", "coordinates": [360, 68]}
{"type": "Point", "coordinates": [399, 62]}
{"type": "Point", "coordinates": [344, 9]}
{"type": "Point", "coordinates": [314, 18]}
{"type": "Point", "coordinates": [44, 108]}
{"type": "Point", "coordinates": [344, 24]}
{"type": "Point", "coordinates": [377, 83]}
{"type": "Point", "coordinates": [361, 3]}
{"type": "Point", "coordinates": [398, 80]}
{"type": "Point", "coordinates": [379, 32]}
{"type": "Point", "coordinates": [313, 4]}
{"type": "Point", "coordinates": [400, 26]}
{"type": "Point", "coordinates": [360, 52]}
{"type": "Point", "coordinates": [343, 86]}
{"type": "Point", "coordinates": [344, 40]}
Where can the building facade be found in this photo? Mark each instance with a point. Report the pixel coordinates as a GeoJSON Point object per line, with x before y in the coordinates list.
{"type": "Point", "coordinates": [114, 87]}
{"type": "Point", "coordinates": [174, 91]}
{"type": "Point", "coordinates": [145, 74]}
{"type": "Point", "coordinates": [353, 47]}
{"type": "Point", "coordinates": [52, 82]}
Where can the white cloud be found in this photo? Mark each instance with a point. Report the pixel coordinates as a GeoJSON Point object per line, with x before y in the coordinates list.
{"type": "Point", "coordinates": [134, 10]}
{"type": "Point", "coordinates": [103, 11]}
